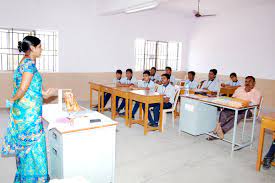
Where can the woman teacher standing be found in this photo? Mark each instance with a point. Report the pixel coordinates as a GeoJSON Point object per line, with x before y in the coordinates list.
{"type": "Point", "coordinates": [25, 134]}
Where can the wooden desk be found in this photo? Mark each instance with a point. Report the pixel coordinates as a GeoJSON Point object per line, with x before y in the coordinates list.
{"type": "Point", "coordinates": [96, 87]}
{"type": "Point", "coordinates": [192, 91]}
{"type": "Point", "coordinates": [228, 90]}
{"type": "Point", "coordinates": [122, 92]}
{"type": "Point", "coordinates": [106, 88]}
{"type": "Point", "coordinates": [145, 97]}
{"type": "Point", "coordinates": [268, 122]}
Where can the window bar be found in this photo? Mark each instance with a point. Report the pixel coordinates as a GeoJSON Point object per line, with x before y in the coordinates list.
{"type": "Point", "coordinates": [177, 56]}
{"type": "Point", "coordinates": [2, 66]}
{"type": "Point", "coordinates": [145, 49]}
{"type": "Point", "coordinates": [48, 49]}
{"type": "Point", "coordinates": [166, 62]}
{"type": "Point", "coordinates": [156, 55]}
{"type": "Point", "coordinates": [17, 48]}
{"type": "Point", "coordinates": [11, 49]}
{"type": "Point", "coordinates": [8, 47]}
{"type": "Point", "coordinates": [7, 55]}
{"type": "Point", "coordinates": [54, 41]}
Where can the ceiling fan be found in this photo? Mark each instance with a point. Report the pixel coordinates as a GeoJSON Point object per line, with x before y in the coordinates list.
{"type": "Point", "coordinates": [198, 14]}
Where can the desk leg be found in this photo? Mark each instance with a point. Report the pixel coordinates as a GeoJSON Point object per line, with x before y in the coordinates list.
{"type": "Point", "coordinates": [98, 99]}
{"type": "Point", "coordinates": [234, 132]}
{"type": "Point", "coordinates": [127, 111]}
{"type": "Point", "coordinates": [140, 111]}
{"type": "Point", "coordinates": [160, 117]}
{"type": "Point", "coordinates": [130, 111]}
{"type": "Point", "coordinates": [253, 126]}
{"type": "Point", "coordinates": [102, 102]}
{"type": "Point", "coordinates": [113, 106]}
{"type": "Point", "coordinates": [91, 98]}
{"type": "Point", "coordinates": [146, 118]}
{"type": "Point", "coordinates": [260, 149]}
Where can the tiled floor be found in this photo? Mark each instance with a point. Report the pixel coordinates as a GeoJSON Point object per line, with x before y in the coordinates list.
{"type": "Point", "coordinates": [170, 157]}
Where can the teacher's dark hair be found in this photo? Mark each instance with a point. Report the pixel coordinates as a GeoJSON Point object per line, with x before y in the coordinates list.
{"type": "Point", "coordinates": [28, 41]}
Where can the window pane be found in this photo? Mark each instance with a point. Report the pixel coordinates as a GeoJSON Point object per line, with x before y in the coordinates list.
{"type": "Point", "coordinates": [158, 54]}
{"type": "Point", "coordinates": [10, 57]}
{"type": "Point", "coordinates": [150, 54]}
{"type": "Point", "coordinates": [162, 55]}
{"type": "Point", "coordinates": [139, 52]}
{"type": "Point", "coordinates": [50, 45]}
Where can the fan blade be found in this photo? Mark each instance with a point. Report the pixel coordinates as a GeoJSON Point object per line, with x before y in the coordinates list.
{"type": "Point", "coordinates": [210, 15]}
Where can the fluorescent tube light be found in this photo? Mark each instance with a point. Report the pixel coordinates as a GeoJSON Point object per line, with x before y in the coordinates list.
{"type": "Point", "coordinates": [142, 7]}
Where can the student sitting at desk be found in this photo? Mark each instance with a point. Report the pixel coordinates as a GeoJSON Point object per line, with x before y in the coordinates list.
{"type": "Point", "coordinates": [269, 157]}
{"type": "Point", "coordinates": [212, 84]}
{"type": "Point", "coordinates": [168, 90]}
{"type": "Point", "coordinates": [116, 80]}
{"type": "Point", "coordinates": [145, 84]}
{"type": "Point", "coordinates": [154, 76]}
{"type": "Point", "coordinates": [226, 121]}
{"type": "Point", "coordinates": [191, 80]}
{"type": "Point", "coordinates": [127, 81]}
{"type": "Point", "coordinates": [168, 70]}
{"type": "Point", "coordinates": [234, 81]}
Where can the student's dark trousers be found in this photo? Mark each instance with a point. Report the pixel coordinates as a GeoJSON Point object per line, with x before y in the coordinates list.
{"type": "Point", "coordinates": [156, 110]}
{"type": "Point", "coordinates": [227, 118]}
{"type": "Point", "coordinates": [271, 151]}
{"type": "Point", "coordinates": [107, 97]}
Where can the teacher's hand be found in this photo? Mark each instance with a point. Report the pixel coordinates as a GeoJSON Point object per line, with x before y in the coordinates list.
{"type": "Point", "coordinates": [9, 103]}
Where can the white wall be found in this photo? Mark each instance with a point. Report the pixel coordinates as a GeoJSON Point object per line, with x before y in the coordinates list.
{"type": "Point", "coordinates": [242, 41]}
{"type": "Point", "coordinates": [91, 43]}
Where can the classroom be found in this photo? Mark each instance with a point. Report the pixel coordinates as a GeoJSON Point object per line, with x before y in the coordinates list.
{"type": "Point", "coordinates": [137, 91]}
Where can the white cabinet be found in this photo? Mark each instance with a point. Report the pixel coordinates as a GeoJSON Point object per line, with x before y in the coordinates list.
{"type": "Point", "coordinates": [86, 150]}
{"type": "Point", "coordinates": [196, 118]}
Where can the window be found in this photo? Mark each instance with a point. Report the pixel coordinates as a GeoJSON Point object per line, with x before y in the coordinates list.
{"type": "Point", "coordinates": [157, 54]}
{"type": "Point", "coordinates": [10, 57]}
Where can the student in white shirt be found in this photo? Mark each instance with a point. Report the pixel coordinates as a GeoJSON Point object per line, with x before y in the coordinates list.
{"type": "Point", "coordinates": [233, 81]}
{"type": "Point", "coordinates": [168, 70]}
{"type": "Point", "coordinates": [169, 92]}
{"type": "Point", "coordinates": [116, 80]}
{"type": "Point", "coordinates": [145, 84]}
{"type": "Point", "coordinates": [154, 76]}
{"type": "Point", "coordinates": [127, 81]}
{"type": "Point", "coordinates": [191, 80]}
{"type": "Point", "coordinates": [212, 84]}
{"type": "Point", "coordinates": [118, 76]}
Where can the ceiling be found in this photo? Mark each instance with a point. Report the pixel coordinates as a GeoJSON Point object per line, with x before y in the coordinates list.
{"type": "Point", "coordinates": [207, 6]}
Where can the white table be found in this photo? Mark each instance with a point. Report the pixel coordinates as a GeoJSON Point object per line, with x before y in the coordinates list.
{"type": "Point", "coordinates": [235, 146]}
{"type": "Point", "coordinates": [80, 148]}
